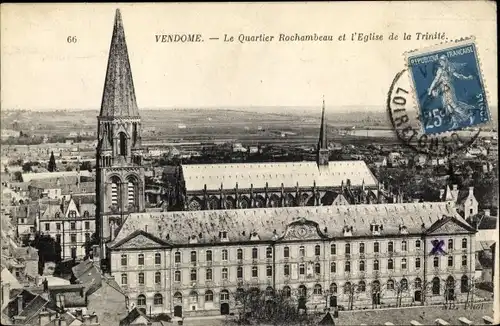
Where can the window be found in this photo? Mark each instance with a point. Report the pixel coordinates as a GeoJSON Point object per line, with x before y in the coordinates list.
{"type": "Point", "coordinates": [209, 255]}
{"type": "Point", "coordinates": [73, 238]}
{"type": "Point", "coordinates": [417, 244]}
{"type": "Point", "coordinates": [141, 300]}
{"type": "Point", "coordinates": [208, 274]}
{"type": "Point", "coordinates": [464, 284]}
{"type": "Point", "coordinates": [317, 289]}
{"type": "Point", "coordinates": [141, 278]}
{"type": "Point", "coordinates": [450, 244]}
{"type": "Point", "coordinates": [317, 250]}
{"type": "Point", "coordinates": [404, 246]}
{"type": "Point", "coordinates": [361, 286]}
{"type": "Point", "coordinates": [87, 237]}
{"type": "Point", "coordinates": [140, 259]}
{"type": "Point", "coordinates": [72, 214]}
{"type": "Point", "coordinates": [193, 297]}
{"type": "Point", "coordinates": [224, 255]}
{"type": "Point", "coordinates": [58, 238]}
{"type": "Point", "coordinates": [193, 275]}
{"type": "Point", "coordinates": [302, 269]}
{"type": "Point", "coordinates": [286, 252]}
{"type": "Point", "coordinates": [390, 285]}
{"type": "Point", "coordinates": [177, 276]}
{"type": "Point", "coordinates": [302, 251]}
{"type": "Point", "coordinates": [255, 271]}
{"type": "Point", "coordinates": [347, 266]}
{"type": "Point", "coordinates": [224, 273]}
{"type": "Point", "coordinates": [269, 252]}
{"type": "Point", "coordinates": [390, 264]}
{"type": "Point", "coordinates": [347, 287]}
{"type": "Point", "coordinates": [390, 246]}
{"type": "Point", "coordinates": [58, 226]}
{"type": "Point", "coordinates": [178, 298]}
{"type": "Point", "coordinates": [269, 271]}
{"type": "Point", "coordinates": [403, 284]}
{"type": "Point", "coordinates": [436, 262]}
{"type": "Point", "coordinates": [157, 278]}
{"type": "Point", "coordinates": [177, 257]}
{"type": "Point", "coordinates": [302, 291]}
{"type": "Point", "coordinates": [86, 213]}
{"type": "Point", "coordinates": [464, 260]}
{"type": "Point", "coordinates": [124, 279]}
{"type": "Point", "coordinates": [361, 265]}
{"type": "Point", "coordinates": [375, 265]}
{"type": "Point", "coordinates": [158, 299]}
{"type": "Point", "coordinates": [317, 268]}
{"type": "Point", "coordinates": [333, 288]}
{"type": "Point", "coordinates": [376, 247]}
{"type": "Point", "coordinates": [333, 267]}
{"type": "Point", "coordinates": [450, 261]}
{"type": "Point", "coordinates": [286, 270]}
{"type": "Point", "coordinates": [333, 249]}
{"type": "Point", "coordinates": [224, 295]}
{"type": "Point", "coordinates": [287, 292]}
{"type": "Point", "coordinates": [417, 262]}
{"type": "Point", "coordinates": [403, 263]}
{"type": "Point", "coordinates": [347, 248]}
{"type": "Point", "coordinates": [418, 283]}
{"type": "Point", "coordinates": [471, 211]}
{"type": "Point", "coordinates": [47, 226]}
{"type": "Point", "coordinates": [436, 285]}
{"type": "Point", "coordinates": [209, 296]}
{"type": "Point", "coordinates": [361, 248]}
{"type": "Point", "coordinates": [87, 225]}
{"type": "Point", "coordinates": [124, 260]}
{"type": "Point", "coordinates": [239, 254]}
{"type": "Point", "coordinates": [464, 243]}
{"type": "Point", "coordinates": [239, 272]}
{"type": "Point", "coordinates": [255, 253]}
{"type": "Point", "coordinates": [157, 258]}
{"type": "Point", "coordinates": [193, 256]}
{"type": "Point", "coordinates": [72, 226]}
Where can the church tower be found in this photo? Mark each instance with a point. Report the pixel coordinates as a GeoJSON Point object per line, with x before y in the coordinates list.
{"type": "Point", "coordinates": [120, 175]}
{"type": "Point", "coordinates": [323, 152]}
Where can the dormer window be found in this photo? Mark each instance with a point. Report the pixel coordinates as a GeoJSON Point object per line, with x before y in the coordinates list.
{"type": "Point", "coordinates": [403, 229]}
{"type": "Point", "coordinates": [193, 239]}
{"type": "Point", "coordinates": [254, 236]}
{"type": "Point", "coordinates": [347, 230]}
{"type": "Point", "coordinates": [223, 236]}
{"type": "Point", "coordinates": [375, 229]}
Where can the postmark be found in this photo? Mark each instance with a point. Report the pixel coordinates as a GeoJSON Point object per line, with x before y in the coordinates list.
{"type": "Point", "coordinates": [448, 86]}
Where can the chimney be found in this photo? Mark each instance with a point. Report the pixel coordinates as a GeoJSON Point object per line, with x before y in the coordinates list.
{"type": "Point", "coordinates": [19, 304]}
{"type": "Point", "coordinates": [487, 212]}
{"type": "Point", "coordinates": [471, 190]}
{"type": "Point", "coordinates": [441, 194]}
{"type": "Point", "coordinates": [44, 317]}
{"type": "Point", "coordinates": [455, 187]}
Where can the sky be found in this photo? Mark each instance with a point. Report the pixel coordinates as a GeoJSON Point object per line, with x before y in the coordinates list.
{"type": "Point", "coordinates": [41, 71]}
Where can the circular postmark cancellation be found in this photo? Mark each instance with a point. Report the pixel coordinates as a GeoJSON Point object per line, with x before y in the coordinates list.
{"type": "Point", "coordinates": [407, 123]}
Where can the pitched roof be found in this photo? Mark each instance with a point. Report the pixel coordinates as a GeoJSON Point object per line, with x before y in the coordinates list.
{"type": "Point", "coordinates": [209, 223]}
{"type": "Point", "coordinates": [118, 99]}
{"type": "Point", "coordinates": [7, 277]}
{"type": "Point", "coordinates": [327, 320]}
{"type": "Point", "coordinates": [74, 294]}
{"type": "Point", "coordinates": [305, 174]}
{"type": "Point", "coordinates": [131, 317]}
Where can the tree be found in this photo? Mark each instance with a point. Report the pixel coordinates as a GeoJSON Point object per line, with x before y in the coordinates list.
{"type": "Point", "coordinates": [18, 176]}
{"type": "Point", "coordinates": [52, 162]}
{"type": "Point", "coordinates": [89, 244]}
{"type": "Point", "coordinates": [27, 167]}
{"type": "Point", "coordinates": [86, 166]}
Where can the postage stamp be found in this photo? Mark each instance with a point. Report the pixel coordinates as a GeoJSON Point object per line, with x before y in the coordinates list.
{"type": "Point", "coordinates": [449, 90]}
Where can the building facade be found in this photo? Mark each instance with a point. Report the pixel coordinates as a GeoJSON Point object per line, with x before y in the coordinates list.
{"type": "Point", "coordinates": [407, 254]}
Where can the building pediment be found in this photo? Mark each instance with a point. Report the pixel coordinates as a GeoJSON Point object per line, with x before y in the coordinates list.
{"type": "Point", "coordinates": [449, 225]}
{"type": "Point", "coordinates": [140, 240]}
{"type": "Point", "coordinates": [302, 230]}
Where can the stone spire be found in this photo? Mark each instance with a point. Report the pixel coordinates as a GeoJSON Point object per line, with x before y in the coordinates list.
{"type": "Point", "coordinates": [322, 143]}
{"type": "Point", "coordinates": [118, 99]}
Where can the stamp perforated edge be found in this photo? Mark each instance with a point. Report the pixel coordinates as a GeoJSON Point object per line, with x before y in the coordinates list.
{"type": "Point", "coordinates": [440, 46]}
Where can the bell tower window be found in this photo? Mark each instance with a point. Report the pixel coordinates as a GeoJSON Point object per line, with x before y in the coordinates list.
{"type": "Point", "coordinates": [123, 144]}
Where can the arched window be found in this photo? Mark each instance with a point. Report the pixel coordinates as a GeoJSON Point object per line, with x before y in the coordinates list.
{"type": "Point", "coordinates": [390, 264]}
{"type": "Point", "coordinates": [390, 246]}
{"type": "Point", "coordinates": [333, 267]}
{"type": "Point", "coordinates": [269, 291]}
{"type": "Point", "coordinates": [224, 273]}
{"type": "Point", "coordinates": [302, 269]}
{"type": "Point", "coordinates": [361, 248]}
{"type": "Point", "coordinates": [124, 260]}
{"type": "Point", "coordinates": [269, 252]}
{"type": "Point", "coordinates": [361, 286]}
{"type": "Point", "coordinates": [269, 270]}
{"type": "Point", "coordinates": [376, 247]}
{"type": "Point", "coordinates": [239, 272]}
{"type": "Point", "coordinates": [450, 261]}
{"type": "Point", "coordinates": [375, 286]}
{"type": "Point", "coordinates": [317, 268]}
{"type": "Point", "coordinates": [208, 255]}
{"type": "Point", "coordinates": [436, 262]}
{"type": "Point", "coordinates": [157, 258]}
{"type": "Point", "coordinates": [450, 283]}
{"type": "Point", "coordinates": [140, 259]}
{"type": "Point", "coordinates": [333, 249]}
{"type": "Point", "coordinates": [347, 248]}
{"type": "Point", "coordinates": [178, 298]}
{"type": "Point", "coordinates": [287, 292]}
{"type": "Point", "coordinates": [347, 287]}
{"type": "Point", "coordinates": [239, 254]}
{"type": "Point", "coordinates": [224, 295]}
{"type": "Point", "coordinates": [418, 283]}
{"type": "Point", "coordinates": [403, 245]}
{"type": "Point", "coordinates": [141, 300]}
{"type": "Point", "coordinates": [317, 289]}
{"type": "Point", "coordinates": [177, 276]}
{"type": "Point", "coordinates": [302, 291]}
{"type": "Point", "coordinates": [317, 250]}
{"type": "Point", "coordinates": [302, 251]}
{"type": "Point", "coordinates": [124, 279]}
{"type": "Point", "coordinates": [347, 266]}
{"type": "Point", "coordinates": [255, 271]}
{"type": "Point", "coordinates": [403, 263]}
{"type": "Point", "coordinates": [286, 252]}
{"type": "Point", "coordinates": [375, 265]}
{"type": "Point", "coordinates": [255, 253]}
{"type": "Point", "coordinates": [157, 277]}
{"type": "Point", "coordinates": [193, 296]}
{"type": "Point", "coordinates": [141, 278]}
{"type": "Point", "coordinates": [158, 299]}
{"type": "Point", "coordinates": [404, 284]}
{"type": "Point", "coordinates": [177, 257]}
{"type": "Point", "coordinates": [390, 285]}
{"type": "Point", "coordinates": [464, 243]}
{"type": "Point", "coordinates": [361, 265]}
{"type": "Point", "coordinates": [333, 288]}
{"type": "Point", "coordinates": [193, 256]}
{"type": "Point", "coordinates": [436, 286]}
{"type": "Point", "coordinates": [209, 296]}
{"type": "Point", "coordinates": [464, 284]}
{"type": "Point", "coordinates": [450, 244]}
{"type": "Point", "coordinates": [123, 144]}
{"type": "Point", "coordinates": [208, 274]}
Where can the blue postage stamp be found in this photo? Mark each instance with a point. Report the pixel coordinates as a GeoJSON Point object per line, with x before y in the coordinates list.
{"type": "Point", "coordinates": [449, 87]}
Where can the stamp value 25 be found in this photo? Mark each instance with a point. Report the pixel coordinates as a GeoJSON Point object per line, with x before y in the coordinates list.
{"type": "Point", "coordinates": [448, 86]}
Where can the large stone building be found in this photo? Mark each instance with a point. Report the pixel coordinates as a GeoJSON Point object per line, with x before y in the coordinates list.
{"type": "Point", "coordinates": [268, 236]}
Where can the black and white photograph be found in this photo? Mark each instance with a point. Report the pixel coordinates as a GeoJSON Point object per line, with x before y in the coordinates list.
{"type": "Point", "coordinates": [270, 163]}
